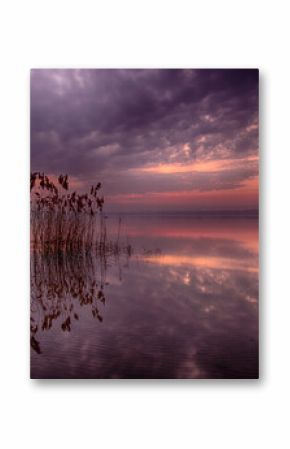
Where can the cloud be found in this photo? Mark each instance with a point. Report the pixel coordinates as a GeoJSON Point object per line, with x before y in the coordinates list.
{"type": "Point", "coordinates": [104, 124]}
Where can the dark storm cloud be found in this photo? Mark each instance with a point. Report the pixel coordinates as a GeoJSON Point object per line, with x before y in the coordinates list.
{"type": "Point", "coordinates": [89, 123]}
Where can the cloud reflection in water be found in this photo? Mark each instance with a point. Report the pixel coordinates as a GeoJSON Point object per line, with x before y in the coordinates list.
{"type": "Point", "coordinates": [180, 307]}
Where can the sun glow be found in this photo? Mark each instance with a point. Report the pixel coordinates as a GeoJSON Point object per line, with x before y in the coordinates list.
{"type": "Point", "coordinates": [200, 166]}
{"type": "Point", "coordinates": [245, 195]}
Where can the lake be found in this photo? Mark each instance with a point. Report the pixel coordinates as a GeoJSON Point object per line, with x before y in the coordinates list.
{"type": "Point", "coordinates": [178, 300]}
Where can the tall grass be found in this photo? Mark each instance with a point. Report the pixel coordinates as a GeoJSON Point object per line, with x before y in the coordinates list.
{"type": "Point", "coordinates": [62, 219]}
{"type": "Point", "coordinates": [69, 253]}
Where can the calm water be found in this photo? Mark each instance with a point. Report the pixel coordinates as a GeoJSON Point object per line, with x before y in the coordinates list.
{"type": "Point", "coordinates": [180, 302]}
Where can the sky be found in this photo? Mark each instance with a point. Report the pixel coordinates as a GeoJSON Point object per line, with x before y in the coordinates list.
{"type": "Point", "coordinates": [157, 139]}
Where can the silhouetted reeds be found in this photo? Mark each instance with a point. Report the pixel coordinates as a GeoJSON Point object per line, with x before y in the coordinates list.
{"type": "Point", "coordinates": [65, 220]}
{"type": "Point", "coordinates": [69, 253]}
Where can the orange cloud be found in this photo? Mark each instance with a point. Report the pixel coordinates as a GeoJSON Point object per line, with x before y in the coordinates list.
{"type": "Point", "coordinates": [201, 166]}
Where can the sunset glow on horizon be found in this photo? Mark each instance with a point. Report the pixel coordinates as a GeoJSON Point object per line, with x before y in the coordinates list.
{"type": "Point", "coordinates": [200, 166]}
{"type": "Point", "coordinates": [246, 196]}
{"type": "Point", "coordinates": [156, 139]}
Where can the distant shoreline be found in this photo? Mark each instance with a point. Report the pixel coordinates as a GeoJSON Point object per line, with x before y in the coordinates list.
{"type": "Point", "coordinates": [249, 213]}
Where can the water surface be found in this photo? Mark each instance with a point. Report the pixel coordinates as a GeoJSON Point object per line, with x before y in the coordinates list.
{"type": "Point", "coordinates": [179, 300]}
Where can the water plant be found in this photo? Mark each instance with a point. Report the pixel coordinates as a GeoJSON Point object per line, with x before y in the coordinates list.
{"type": "Point", "coordinates": [70, 250]}
{"type": "Point", "coordinates": [62, 219]}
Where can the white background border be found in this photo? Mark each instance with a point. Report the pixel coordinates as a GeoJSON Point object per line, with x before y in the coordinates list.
{"type": "Point", "coordinates": [169, 414]}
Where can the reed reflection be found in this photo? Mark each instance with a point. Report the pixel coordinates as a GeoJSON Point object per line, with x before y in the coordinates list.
{"type": "Point", "coordinates": [60, 280]}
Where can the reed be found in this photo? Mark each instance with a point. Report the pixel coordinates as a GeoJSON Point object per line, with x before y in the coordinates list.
{"type": "Point", "coordinates": [64, 220]}
{"type": "Point", "coordinates": [70, 250]}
